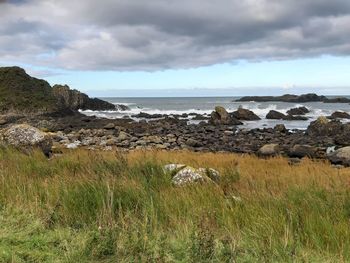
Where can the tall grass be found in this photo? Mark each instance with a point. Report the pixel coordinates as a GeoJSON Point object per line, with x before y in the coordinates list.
{"type": "Point", "coordinates": [88, 206]}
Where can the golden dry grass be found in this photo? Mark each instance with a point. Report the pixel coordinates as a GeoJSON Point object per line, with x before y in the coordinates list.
{"type": "Point", "coordinates": [89, 206]}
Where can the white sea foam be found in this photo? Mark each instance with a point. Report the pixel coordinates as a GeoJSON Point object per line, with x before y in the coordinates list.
{"type": "Point", "coordinates": [178, 106]}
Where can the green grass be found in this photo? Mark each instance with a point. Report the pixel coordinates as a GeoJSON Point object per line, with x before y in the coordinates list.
{"type": "Point", "coordinates": [109, 207]}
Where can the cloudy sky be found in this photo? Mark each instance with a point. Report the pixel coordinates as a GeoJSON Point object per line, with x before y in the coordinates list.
{"type": "Point", "coordinates": [183, 47]}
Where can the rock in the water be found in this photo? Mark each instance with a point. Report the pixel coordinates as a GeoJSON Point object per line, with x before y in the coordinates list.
{"type": "Point", "coordinates": [298, 111]}
{"type": "Point", "coordinates": [340, 156]}
{"type": "Point", "coordinates": [269, 150]}
{"type": "Point", "coordinates": [275, 115]}
{"type": "Point", "coordinates": [26, 137]}
{"type": "Point", "coordinates": [340, 115]}
{"type": "Point", "coordinates": [221, 117]}
{"type": "Point", "coordinates": [245, 115]}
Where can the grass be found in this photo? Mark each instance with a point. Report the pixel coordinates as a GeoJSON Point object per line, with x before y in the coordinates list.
{"type": "Point", "coordinates": [111, 207]}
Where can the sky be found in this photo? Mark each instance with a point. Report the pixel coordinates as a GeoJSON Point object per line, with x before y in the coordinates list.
{"type": "Point", "coordinates": [181, 48]}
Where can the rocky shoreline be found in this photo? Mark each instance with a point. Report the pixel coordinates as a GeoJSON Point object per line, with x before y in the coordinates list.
{"type": "Point", "coordinates": [34, 114]}
{"type": "Point", "coordinates": [220, 134]}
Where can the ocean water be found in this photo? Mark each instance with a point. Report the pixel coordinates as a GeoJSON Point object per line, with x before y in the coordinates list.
{"type": "Point", "coordinates": [203, 105]}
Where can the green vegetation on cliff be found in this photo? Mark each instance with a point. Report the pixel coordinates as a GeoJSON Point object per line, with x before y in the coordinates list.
{"type": "Point", "coordinates": [107, 207]}
{"type": "Point", "coordinates": [20, 92]}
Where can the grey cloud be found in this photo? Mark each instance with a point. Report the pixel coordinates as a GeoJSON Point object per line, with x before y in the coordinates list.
{"type": "Point", "coordinates": [162, 34]}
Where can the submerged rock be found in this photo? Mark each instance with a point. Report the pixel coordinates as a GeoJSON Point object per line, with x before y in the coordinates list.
{"type": "Point", "coordinates": [26, 137]}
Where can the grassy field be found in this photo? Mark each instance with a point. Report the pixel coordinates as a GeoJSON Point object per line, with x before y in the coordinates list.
{"type": "Point", "coordinates": [112, 207]}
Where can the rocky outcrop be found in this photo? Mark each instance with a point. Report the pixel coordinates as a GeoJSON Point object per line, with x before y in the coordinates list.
{"type": "Point", "coordinates": [23, 94]}
{"type": "Point", "coordinates": [25, 137]}
{"type": "Point", "coordinates": [340, 115]}
{"type": "Point", "coordinates": [298, 111]}
{"type": "Point", "coordinates": [323, 127]}
{"type": "Point", "coordinates": [245, 115]}
{"type": "Point", "coordinates": [76, 100]}
{"type": "Point", "coordinates": [310, 97]}
{"type": "Point", "coordinates": [221, 117]}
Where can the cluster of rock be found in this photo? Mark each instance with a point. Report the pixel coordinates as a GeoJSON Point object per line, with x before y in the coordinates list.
{"type": "Point", "coordinates": [324, 138]}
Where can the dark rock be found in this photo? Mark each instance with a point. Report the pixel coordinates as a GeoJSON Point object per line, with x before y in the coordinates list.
{"type": "Point", "coordinates": [75, 100]}
{"type": "Point", "coordinates": [301, 151]}
{"type": "Point", "coordinates": [148, 116]}
{"type": "Point", "coordinates": [340, 115]}
{"type": "Point", "coordinates": [221, 117]}
{"type": "Point", "coordinates": [337, 100]}
{"type": "Point", "coordinates": [275, 115]}
{"type": "Point", "coordinates": [323, 127]}
{"type": "Point", "coordinates": [193, 143]}
{"type": "Point", "coordinates": [245, 115]}
{"type": "Point", "coordinates": [286, 98]}
{"type": "Point", "coordinates": [298, 111]}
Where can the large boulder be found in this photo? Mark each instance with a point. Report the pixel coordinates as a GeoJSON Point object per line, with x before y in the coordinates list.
{"type": "Point", "coordinates": [298, 111]}
{"type": "Point", "coordinates": [185, 175]}
{"type": "Point", "coordinates": [269, 150]}
{"type": "Point", "coordinates": [340, 156]}
{"type": "Point", "coordinates": [221, 117]}
{"type": "Point", "coordinates": [245, 115]}
{"type": "Point", "coordinates": [26, 137]}
{"type": "Point", "coordinates": [301, 151]}
{"type": "Point", "coordinates": [323, 127]}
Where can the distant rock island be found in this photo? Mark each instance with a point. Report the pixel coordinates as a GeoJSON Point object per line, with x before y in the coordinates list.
{"type": "Point", "coordinates": [310, 97]}
{"type": "Point", "coordinates": [23, 94]}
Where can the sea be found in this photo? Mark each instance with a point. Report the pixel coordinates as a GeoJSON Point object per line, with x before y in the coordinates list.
{"type": "Point", "coordinates": [205, 105]}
